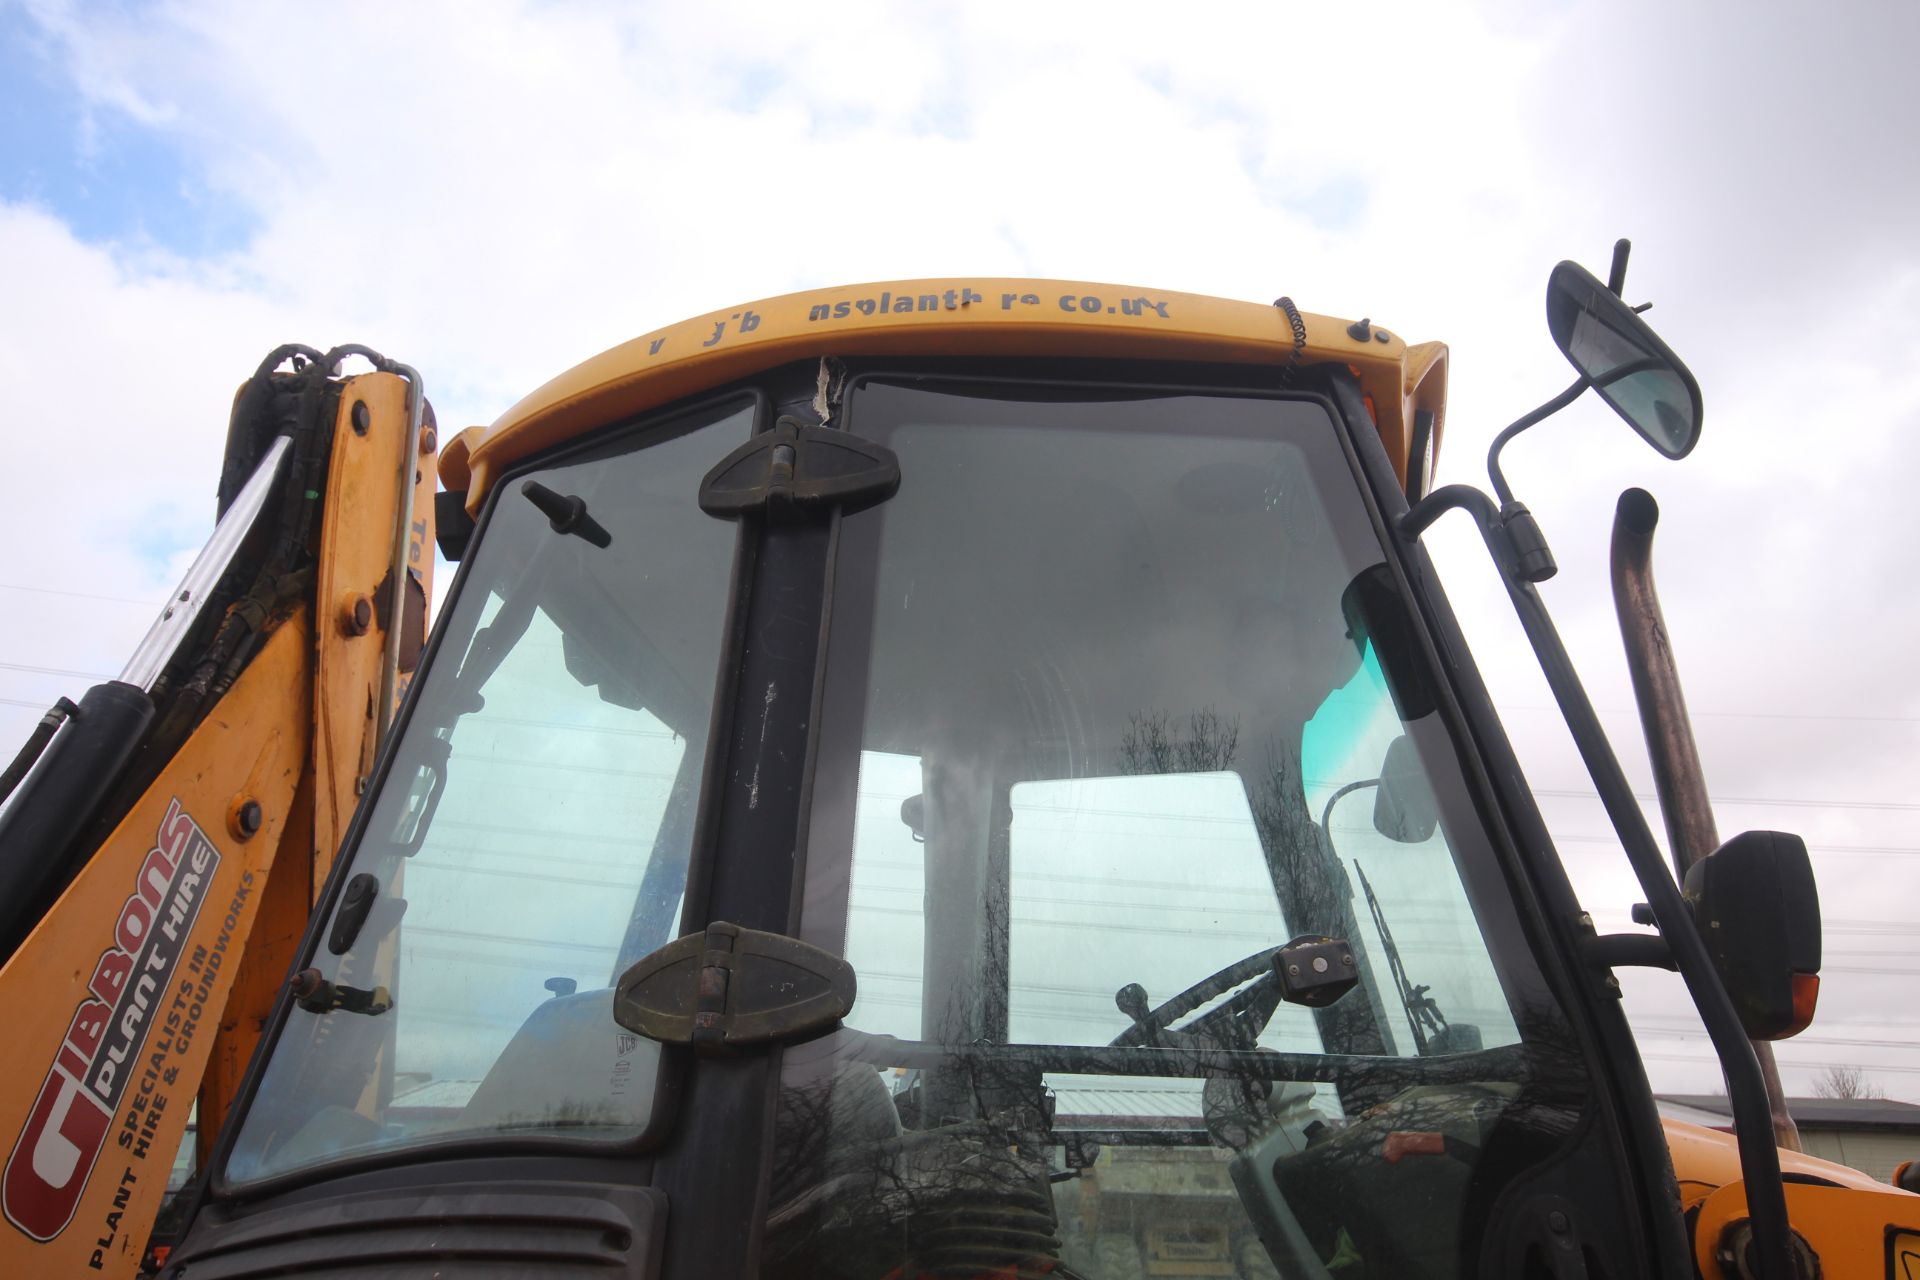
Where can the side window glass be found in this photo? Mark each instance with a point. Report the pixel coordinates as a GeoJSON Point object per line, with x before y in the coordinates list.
{"type": "Point", "coordinates": [1371, 796]}
{"type": "Point", "coordinates": [532, 836]}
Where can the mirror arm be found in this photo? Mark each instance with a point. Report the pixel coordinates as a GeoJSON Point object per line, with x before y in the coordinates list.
{"type": "Point", "coordinates": [1513, 536]}
{"type": "Point", "coordinates": [1545, 411]}
{"type": "Point", "coordinates": [1628, 951]}
{"type": "Point", "coordinates": [1746, 1088]}
{"type": "Point", "coordinates": [1422, 514]}
{"type": "Point", "coordinates": [1326, 812]}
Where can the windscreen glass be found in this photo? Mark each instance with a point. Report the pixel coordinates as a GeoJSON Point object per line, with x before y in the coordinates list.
{"type": "Point", "coordinates": [531, 838]}
{"type": "Point", "coordinates": [1141, 830]}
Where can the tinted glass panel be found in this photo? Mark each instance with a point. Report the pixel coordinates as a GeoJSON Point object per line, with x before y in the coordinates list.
{"type": "Point", "coordinates": [1101, 747]}
{"type": "Point", "coordinates": [532, 836]}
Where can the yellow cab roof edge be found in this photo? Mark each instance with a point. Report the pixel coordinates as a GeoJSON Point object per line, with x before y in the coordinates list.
{"type": "Point", "coordinates": [960, 316]}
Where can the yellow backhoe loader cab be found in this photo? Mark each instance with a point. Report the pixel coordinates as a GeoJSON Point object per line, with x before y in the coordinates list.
{"type": "Point", "coordinates": [977, 778]}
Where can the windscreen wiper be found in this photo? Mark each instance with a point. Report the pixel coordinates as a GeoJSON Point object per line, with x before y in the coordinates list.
{"type": "Point", "coordinates": [566, 513]}
{"type": "Point", "coordinates": [1423, 1012]}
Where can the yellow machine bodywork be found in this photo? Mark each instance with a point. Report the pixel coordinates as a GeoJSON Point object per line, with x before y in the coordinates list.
{"type": "Point", "coordinates": [1855, 1226]}
{"type": "Point", "coordinates": [961, 316]}
{"type": "Point", "coordinates": [177, 866]}
{"type": "Point", "coordinates": [96, 1106]}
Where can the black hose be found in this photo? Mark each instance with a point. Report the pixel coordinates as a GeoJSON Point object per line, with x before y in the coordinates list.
{"type": "Point", "coordinates": [36, 743]}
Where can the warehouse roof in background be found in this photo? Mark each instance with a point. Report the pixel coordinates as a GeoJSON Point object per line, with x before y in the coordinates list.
{"type": "Point", "coordinates": [1822, 1113]}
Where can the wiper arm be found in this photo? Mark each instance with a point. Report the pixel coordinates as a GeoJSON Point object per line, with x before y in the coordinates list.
{"type": "Point", "coordinates": [1423, 1011]}
{"type": "Point", "coordinates": [566, 513]}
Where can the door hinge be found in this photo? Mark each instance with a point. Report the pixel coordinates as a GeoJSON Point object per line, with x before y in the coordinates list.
{"type": "Point", "coordinates": [732, 987]}
{"type": "Point", "coordinates": [795, 470]}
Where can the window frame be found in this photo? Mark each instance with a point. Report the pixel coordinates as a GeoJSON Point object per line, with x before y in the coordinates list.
{"type": "Point", "coordinates": [630, 436]}
{"type": "Point", "coordinates": [1487, 872]}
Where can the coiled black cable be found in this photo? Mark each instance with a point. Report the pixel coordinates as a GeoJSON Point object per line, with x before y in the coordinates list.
{"type": "Point", "coordinates": [1299, 328]}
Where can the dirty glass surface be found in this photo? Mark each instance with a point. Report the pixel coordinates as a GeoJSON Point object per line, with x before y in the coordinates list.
{"type": "Point", "coordinates": [1105, 724]}
{"type": "Point", "coordinates": [532, 836]}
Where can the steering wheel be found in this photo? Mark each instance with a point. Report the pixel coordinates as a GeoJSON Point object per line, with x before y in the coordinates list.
{"type": "Point", "coordinates": [1239, 1021]}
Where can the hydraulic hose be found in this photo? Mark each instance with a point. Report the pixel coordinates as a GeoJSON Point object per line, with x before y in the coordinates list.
{"type": "Point", "coordinates": [36, 743]}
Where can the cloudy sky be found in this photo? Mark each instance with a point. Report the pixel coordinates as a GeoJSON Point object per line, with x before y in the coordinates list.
{"type": "Point", "coordinates": [493, 191]}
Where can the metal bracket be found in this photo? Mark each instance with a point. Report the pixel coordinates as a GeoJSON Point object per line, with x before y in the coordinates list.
{"type": "Point", "coordinates": [794, 469]}
{"type": "Point", "coordinates": [732, 987]}
{"type": "Point", "coordinates": [317, 995]}
{"type": "Point", "coordinates": [1627, 951]}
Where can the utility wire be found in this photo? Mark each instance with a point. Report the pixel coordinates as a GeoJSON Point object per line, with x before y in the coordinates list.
{"type": "Point", "coordinates": [1734, 715]}
{"type": "Point", "coordinates": [79, 595]}
{"type": "Point", "coordinates": [53, 671]}
{"type": "Point", "coordinates": [1785, 1061]}
{"type": "Point", "coordinates": [1784, 801]}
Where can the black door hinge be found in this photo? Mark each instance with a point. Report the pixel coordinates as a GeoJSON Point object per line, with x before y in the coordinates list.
{"type": "Point", "coordinates": [732, 987]}
{"type": "Point", "coordinates": [794, 470]}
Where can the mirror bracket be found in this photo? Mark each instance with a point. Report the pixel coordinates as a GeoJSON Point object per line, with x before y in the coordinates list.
{"type": "Point", "coordinates": [1628, 951]}
{"type": "Point", "coordinates": [1512, 535]}
{"type": "Point", "coordinates": [1528, 555]}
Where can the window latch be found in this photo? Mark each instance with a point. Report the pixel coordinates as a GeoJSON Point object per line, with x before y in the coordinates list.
{"type": "Point", "coordinates": [730, 988]}
{"type": "Point", "coordinates": [794, 470]}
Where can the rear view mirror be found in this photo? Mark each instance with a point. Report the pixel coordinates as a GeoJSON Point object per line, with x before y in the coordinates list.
{"type": "Point", "coordinates": [1759, 913]}
{"type": "Point", "coordinates": [1627, 363]}
{"type": "Point", "coordinates": [1403, 806]}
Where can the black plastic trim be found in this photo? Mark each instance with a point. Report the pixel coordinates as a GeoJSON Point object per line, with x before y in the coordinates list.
{"type": "Point", "coordinates": [717, 1164]}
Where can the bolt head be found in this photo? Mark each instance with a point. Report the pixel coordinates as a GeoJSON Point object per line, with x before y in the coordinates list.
{"type": "Point", "coordinates": [429, 440]}
{"type": "Point", "coordinates": [361, 416]}
{"type": "Point", "coordinates": [250, 818]}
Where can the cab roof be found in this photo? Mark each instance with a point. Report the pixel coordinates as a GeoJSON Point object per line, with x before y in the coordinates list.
{"type": "Point", "coordinates": [958, 316]}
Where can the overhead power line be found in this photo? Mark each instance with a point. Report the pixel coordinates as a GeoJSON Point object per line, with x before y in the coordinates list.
{"type": "Point", "coordinates": [30, 705]}
{"type": "Point", "coordinates": [79, 595]}
{"type": "Point", "coordinates": [1812, 847]}
{"type": "Point", "coordinates": [53, 671]}
{"type": "Point", "coordinates": [1707, 1059]}
{"type": "Point", "coordinates": [1739, 715]}
{"type": "Point", "coordinates": [1791, 802]}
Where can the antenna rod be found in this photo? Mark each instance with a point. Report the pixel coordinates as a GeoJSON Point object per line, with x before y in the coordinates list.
{"type": "Point", "coordinates": [1617, 273]}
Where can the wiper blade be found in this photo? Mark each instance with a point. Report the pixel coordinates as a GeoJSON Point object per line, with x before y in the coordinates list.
{"type": "Point", "coordinates": [566, 513]}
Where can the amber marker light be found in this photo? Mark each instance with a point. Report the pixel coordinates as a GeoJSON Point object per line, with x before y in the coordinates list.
{"type": "Point", "coordinates": [1806, 994]}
